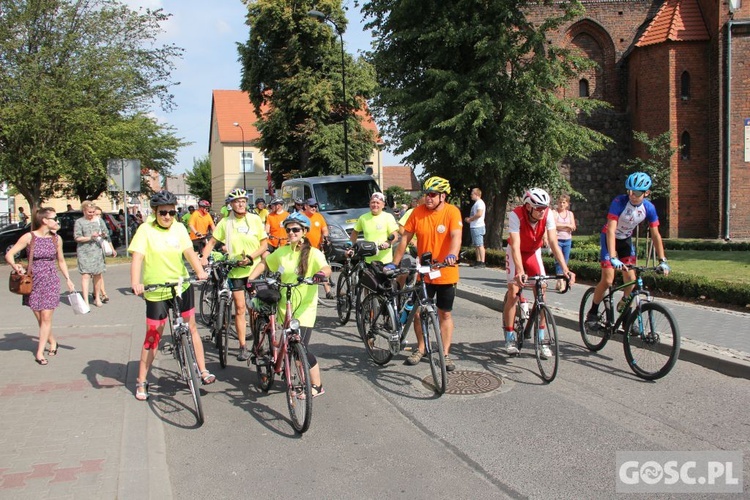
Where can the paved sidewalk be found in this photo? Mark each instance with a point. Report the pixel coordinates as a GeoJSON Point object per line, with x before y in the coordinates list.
{"type": "Point", "coordinates": [717, 339]}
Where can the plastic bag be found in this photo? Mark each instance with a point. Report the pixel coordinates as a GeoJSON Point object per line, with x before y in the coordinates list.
{"type": "Point", "coordinates": [78, 304]}
{"type": "Point", "coordinates": [107, 248]}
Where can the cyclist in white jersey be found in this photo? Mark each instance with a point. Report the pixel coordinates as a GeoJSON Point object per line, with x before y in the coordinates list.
{"type": "Point", "coordinates": [617, 251]}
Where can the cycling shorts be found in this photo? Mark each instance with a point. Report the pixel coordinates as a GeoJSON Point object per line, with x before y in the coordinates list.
{"type": "Point", "coordinates": [237, 284]}
{"type": "Point", "coordinates": [532, 264]}
{"type": "Point", "coordinates": [624, 248]}
{"type": "Point", "coordinates": [157, 312]}
{"type": "Point", "coordinates": [446, 294]}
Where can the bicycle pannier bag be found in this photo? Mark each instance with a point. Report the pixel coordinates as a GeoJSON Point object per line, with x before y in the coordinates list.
{"type": "Point", "coordinates": [266, 293]}
{"type": "Point", "coordinates": [365, 248]}
{"type": "Point", "coordinates": [373, 277]}
{"type": "Point", "coordinates": [20, 283]}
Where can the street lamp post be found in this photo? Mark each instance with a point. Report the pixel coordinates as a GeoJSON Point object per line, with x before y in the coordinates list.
{"type": "Point", "coordinates": [322, 17]}
{"type": "Point", "coordinates": [242, 160]}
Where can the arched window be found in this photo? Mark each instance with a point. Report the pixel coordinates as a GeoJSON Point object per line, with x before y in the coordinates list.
{"type": "Point", "coordinates": [685, 146]}
{"type": "Point", "coordinates": [583, 88]}
{"type": "Point", "coordinates": [685, 86]}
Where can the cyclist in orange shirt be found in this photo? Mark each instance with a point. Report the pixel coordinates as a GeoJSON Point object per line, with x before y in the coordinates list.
{"type": "Point", "coordinates": [437, 226]}
{"type": "Point", "coordinates": [200, 224]}
{"type": "Point", "coordinates": [275, 224]}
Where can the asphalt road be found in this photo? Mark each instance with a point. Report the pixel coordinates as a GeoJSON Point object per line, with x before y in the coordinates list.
{"type": "Point", "coordinates": [380, 432]}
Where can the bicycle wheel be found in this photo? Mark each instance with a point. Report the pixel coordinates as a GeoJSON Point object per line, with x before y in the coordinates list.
{"type": "Point", "coordinates": [299, 390]}
{"type": "Point", "coordinates": [222, 335]}
{"type": "Point", "coordinates": [593, 338]}
{"type": "Point", "coordinates": [263, 354]}
{"type": "Point", "coordinates": [547, 361]}
{"type": "Point", "coordinates": [651, 341]}
{"type": "Point", "coordinates": [378, 324]}
{"type": "Point", "coordinates": [343, 298]}
{"type": "Point", "coordinates": [193, 376]}
{"type": "Point", "coordinates": [435, 354]}
{"type": "Point", "coordinates": [206, 307]}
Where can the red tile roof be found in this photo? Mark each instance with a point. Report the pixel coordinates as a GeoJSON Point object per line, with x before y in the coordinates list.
{"type": "Point", "coordinates": [232, 106]}
{"type": "Point", "coordinates": [400, 175]}
{"type": "Point", "coordinates": [677, 21]}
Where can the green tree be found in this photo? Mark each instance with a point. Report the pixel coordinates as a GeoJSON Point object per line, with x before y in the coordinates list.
{"type": "Point", "coordinates": [467, 89]}
{"type": "Point", "coordinates": [659, 153]}
{"type": "Point", "coordinates": [292, 72]}
{"type": "Point", "coordinates": [399, 194]}
{"type": "Point", "coordinates": [76, 77]}
{"type": "Point", "coordinates": [199, 178]}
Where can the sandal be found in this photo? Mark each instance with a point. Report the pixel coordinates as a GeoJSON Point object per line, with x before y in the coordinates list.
{"type": "Point", "coordinates": [53, 352]}
{"type": "Point", "coordinates": [415, 357]}
{"type": "Point", "coordinates": [105, 298]}
{"type": "Point", "coordinates": [207, 377]}
{"type": "Point", "coordinates": [141, 391]}
{"type": "Point", "coordinates": [317, 390]}
{"type": "Point", "coordinates": [41, 361]}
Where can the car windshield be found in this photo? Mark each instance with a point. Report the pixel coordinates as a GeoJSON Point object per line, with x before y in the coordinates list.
{"type": "Point", "coordinates": [344, 195]}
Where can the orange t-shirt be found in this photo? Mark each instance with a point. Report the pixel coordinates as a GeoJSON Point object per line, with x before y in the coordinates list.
{"type": "Point", "coordinates": [317, 223]}
{"type": "Point", "coordinates": [276, 229]}
{"type": "Point", "coordinates": [202, 223]}
{"type": "Point", "coordinates": [433, 231]}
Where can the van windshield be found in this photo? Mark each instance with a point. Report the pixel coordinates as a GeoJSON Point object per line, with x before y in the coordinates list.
{"type": "Point", "coordinates": [344, 195]}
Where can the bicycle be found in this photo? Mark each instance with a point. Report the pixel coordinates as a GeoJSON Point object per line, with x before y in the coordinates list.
{"type": "Point", "coordinates": [347, 285]}
{"type": "Point", "coordinates": [278, 349]}
{"type": "Point", "coordinates": [384, 333]}
{"type": "Point", "coordinates": [531, 320]}
{"type": "Point", "coordinates": [652, 341]}
{"type": "Point", "coordinates": [223, 301]}
{"type": "Point", "coordinates": [182, 344]}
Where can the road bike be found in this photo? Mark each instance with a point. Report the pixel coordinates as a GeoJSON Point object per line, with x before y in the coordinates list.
{"type": "Point", "coordinates": [529, 323]}
{"type": "Point", "coordinates": [278, 348]}
{"type": "Point", "coordinates": [651, 336]}
{"type": "Point", "coordinates": [348, 294]}
{"type": "Point", "coordinates": [181, 346]}
{"type": "Point", "coordinates": [387, 313]}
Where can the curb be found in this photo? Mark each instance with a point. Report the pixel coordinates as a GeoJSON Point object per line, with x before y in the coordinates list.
{"type": "Point", "coordinates": [721, 360]}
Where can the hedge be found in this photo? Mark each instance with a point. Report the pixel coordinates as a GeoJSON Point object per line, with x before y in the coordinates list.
{"type": "Point", "coordinates": [676, 284]}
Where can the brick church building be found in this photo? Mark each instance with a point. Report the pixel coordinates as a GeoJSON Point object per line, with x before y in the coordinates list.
{"type": "Point", "coordinates": [668, 65]}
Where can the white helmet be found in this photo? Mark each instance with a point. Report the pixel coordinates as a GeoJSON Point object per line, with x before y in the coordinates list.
{"type": "Point", "coordinates": [537, 198]}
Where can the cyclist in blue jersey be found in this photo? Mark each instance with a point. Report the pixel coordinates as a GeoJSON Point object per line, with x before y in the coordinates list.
{"type": "Point", "coordinates": [617, 250]}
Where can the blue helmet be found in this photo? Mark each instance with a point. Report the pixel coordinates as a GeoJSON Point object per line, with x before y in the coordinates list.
{"type": "Point", "coordinates": [297, 218]}
{"type": "Point", "coordinates": [638, 181]}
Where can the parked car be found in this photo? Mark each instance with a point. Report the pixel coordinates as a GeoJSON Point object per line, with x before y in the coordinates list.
{"type": "Point", "coordinates": [67, 227]}
{"type": "Point", "coordinates": [9, 236]}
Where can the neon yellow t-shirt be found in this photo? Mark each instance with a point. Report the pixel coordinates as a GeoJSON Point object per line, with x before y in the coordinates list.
{"type": "Point", "coordinates": [244, 237]}
{"type": "Point", "coordinates": [402, 222]}
{"type": "Point", "coordinates": [263, 214]}
{"type": "Point", "coordinates": [304, 297]}
{"type": "Point", "coordinates": [376, 228]}
{"type": "Point", "coordinates": [162, 250]}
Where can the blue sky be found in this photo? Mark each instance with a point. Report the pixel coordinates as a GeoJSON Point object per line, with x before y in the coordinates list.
{"type": "Point", "coordinates": [209, 31]}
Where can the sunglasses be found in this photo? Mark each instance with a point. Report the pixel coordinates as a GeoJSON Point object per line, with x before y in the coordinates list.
{"type": "Point", "coordinates": [53, 219]}
{"type": "Point", "coordinates": [293, 230]}
{"type": "Point", "coordinates": [637, 194]}
{"type": "Point", "coordinates": [164, 213]}
{"type": "Point", "coordinates": [539, 209]}
{"type": "Point", "coordinates": [432, 194]}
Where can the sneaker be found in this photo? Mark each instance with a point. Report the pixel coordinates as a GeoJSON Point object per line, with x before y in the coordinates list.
{"type": "Point", "coordinates": [330, 294]}
{"type": "Point", "coordinates": [592, 321]}
{"type": "Point", "coordinates": [546, 352]}
{"type": "Point", "coordinates": [415, 357]}
{"type": "Point", "coordinates": [244, 354]}
{"type": "Point", "coordinates": [510, 347]}
{"type": "Point", "coordinates": [621, 305]}
{"type": "Point", "coordinates": [449, 364]}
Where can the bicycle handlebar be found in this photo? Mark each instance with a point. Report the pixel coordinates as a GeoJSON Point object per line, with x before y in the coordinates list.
{"type": "Point", "coordinates": [552, 277]}
{"type": "Point", "coordinates": [173, 284]}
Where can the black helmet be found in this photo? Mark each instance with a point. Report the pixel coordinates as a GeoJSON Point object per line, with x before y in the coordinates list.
{"type": "Point", "coordinates": [163, 197]}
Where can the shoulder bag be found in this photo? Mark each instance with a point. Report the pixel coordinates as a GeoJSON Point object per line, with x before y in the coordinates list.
{"type": "Point", "coordinates": [22, 284]}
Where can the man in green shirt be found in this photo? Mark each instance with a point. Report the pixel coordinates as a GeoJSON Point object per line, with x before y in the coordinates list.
{"type": "Point", "coordinates": [376, 226]}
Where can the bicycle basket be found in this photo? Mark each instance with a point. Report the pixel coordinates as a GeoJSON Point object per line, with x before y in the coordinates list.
{"type": "Point", "coordinates": [374, 278]}
{"type": "Point", "coordinates": [267, 293]}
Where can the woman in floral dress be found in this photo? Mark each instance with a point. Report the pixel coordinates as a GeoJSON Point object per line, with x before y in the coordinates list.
{"type": "Point", "coordinates": [88, 232]}
{"type": "Point", "coordinates": [45, 292]}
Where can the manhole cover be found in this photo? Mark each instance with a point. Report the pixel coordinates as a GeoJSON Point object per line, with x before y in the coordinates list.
{"type": "Point", "coordinates": [468, 383]}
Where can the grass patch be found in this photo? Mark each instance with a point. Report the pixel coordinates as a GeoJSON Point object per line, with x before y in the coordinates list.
{"type": "Point", "coordinates": [727, 266]}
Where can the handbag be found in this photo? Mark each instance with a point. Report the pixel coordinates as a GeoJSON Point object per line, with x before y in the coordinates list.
{"type": "Point", "coordinates": [78, 304]}
{"type": "Point", "coordinates": [22, 284]}
{"type": "Point", "coordinates": [107, 248]}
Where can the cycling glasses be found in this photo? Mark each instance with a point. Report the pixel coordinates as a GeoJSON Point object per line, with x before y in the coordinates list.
{"type": "Point", "coordinates": [164, 213]}
{"type": "Point", "coordinates": [432, 194]}
{"type": "Point", "coordinates": [293, 230]}
{"type": "Point", "coordinates": [637, 194]}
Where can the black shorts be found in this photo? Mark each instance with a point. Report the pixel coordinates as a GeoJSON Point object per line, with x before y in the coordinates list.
{"type": "Point", "coordinates": [446, 294]}
{"type": "Point", "coordinates": [159, 310]}
{"type": "Point", "coordinates": [237, 284]}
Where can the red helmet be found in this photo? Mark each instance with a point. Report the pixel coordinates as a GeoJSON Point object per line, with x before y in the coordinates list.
{"type": "Point", "coordinates": [204, 204]}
